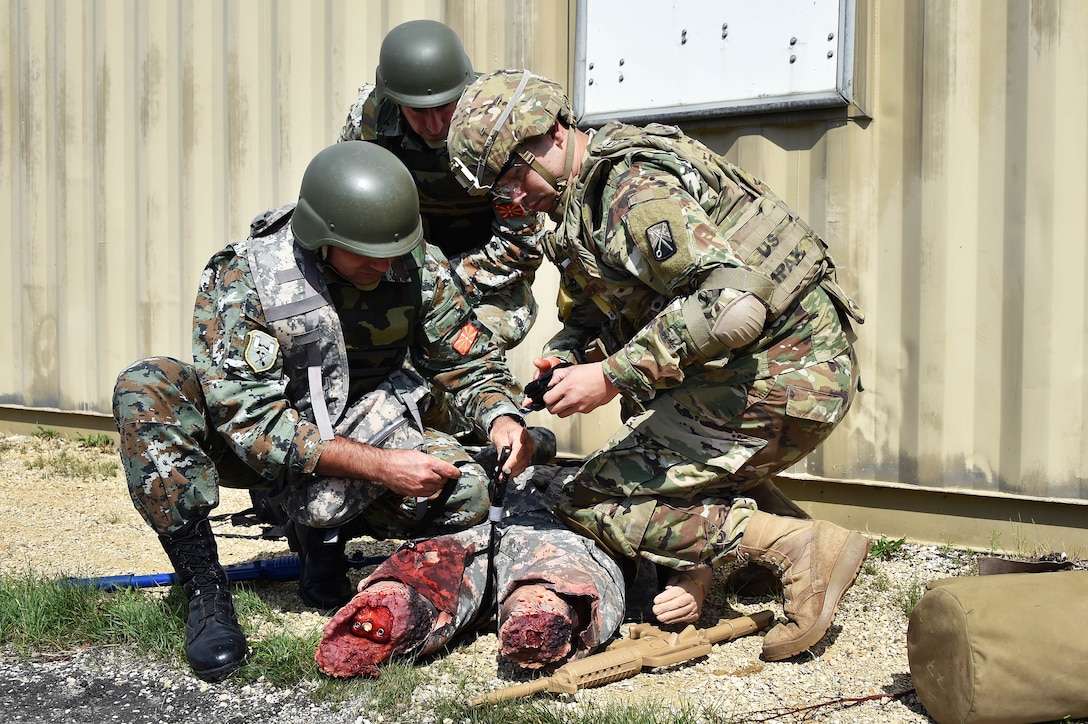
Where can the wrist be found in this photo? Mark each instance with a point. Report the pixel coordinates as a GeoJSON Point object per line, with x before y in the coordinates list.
{"type": "Point", "coordinates": [516, 418]}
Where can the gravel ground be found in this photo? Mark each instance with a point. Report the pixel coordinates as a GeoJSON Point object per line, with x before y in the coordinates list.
{"type": "Point", "coordinates": [59, 520]}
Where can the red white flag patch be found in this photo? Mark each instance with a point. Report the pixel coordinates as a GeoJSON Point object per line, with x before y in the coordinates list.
{"type": "Point", "coordinates": [465, 338]}
{"type": "Point", "coordinates": [511, 211]}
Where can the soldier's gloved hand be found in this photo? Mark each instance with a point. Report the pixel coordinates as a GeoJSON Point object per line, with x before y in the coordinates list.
{"type": "Point", "coordinates": [535, 390]}
{"type": "Point", "coordinates": [578, 388]}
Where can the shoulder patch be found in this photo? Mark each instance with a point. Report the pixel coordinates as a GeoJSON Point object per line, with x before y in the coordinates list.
{"type": "Point", "coordinates": [262, 350]}
{"type": "Point", "coordinates": [662, 245]}
{"type": "Point", "coordinates": [659, 229]}
{"type": "Point", "coordinates": [466, 338]}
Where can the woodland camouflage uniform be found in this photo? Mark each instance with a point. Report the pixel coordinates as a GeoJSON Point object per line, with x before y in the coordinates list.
{"type": "Point", "coordinates": [237, 415]}
{"type": "Point", "coordinates": [301, 339]}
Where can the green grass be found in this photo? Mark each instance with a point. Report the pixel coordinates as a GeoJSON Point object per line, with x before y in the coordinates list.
{"type": "Point", "coordinates": [65, 464]}
{"type": "Point", "coordinates": [100, 442]}
{"type": "Point", "coordinates": [910, 596]}
{"type": "Point", "coordinates": [886, 548]}
{"type": "Point", "coordinates": [44, 616]}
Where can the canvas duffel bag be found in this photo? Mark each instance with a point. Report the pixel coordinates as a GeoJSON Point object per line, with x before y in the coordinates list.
{"type": "Point", "coordinates": [1009, 648]}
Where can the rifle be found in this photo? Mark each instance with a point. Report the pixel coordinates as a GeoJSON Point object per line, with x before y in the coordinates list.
{"type": "Point", "coordinates": [283, 568]}
{"type": "Point", "coordinates": [646, 645]}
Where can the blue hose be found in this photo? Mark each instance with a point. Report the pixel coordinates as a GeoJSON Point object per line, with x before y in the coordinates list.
{"type": "Point", "coordinates": [284, 568]}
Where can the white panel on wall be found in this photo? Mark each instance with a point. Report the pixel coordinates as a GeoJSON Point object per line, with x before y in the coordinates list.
{"type": "Point", "coordinates": [648, 58]}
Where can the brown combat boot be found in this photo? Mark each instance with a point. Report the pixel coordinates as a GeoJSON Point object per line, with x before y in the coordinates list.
{"type": "Point", "coordinates": [817, 562]}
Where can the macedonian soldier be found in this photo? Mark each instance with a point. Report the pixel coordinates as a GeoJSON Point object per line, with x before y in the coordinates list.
{"type": "Point", "coordinates": [494, 248]}
{"type": "Point", "coordinates": [693, 291]}
{"type": "Point", "coordinates": [298, 382]}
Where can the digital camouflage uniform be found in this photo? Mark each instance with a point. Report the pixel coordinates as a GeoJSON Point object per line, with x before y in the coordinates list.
{"type": "Point", "coordinates": [241, 415]}
{"type": "Point", "coordinates": [534, 547]}
{"type": "Point", "coordinates": [495, 249]}
{"type": "Point", "coordinates": [651, 218]}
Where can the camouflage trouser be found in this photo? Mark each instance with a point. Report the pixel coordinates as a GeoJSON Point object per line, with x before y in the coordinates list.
{"type": "Point", "coordinates": [668, 485]}
{"type": "Point", "coordinates": [534, 548]}
{"type": "Point", "coordinates": [174, 461]}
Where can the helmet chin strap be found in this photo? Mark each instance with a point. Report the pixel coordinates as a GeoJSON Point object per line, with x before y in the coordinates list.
{"type": "Point", "coordinates": [559, 184]}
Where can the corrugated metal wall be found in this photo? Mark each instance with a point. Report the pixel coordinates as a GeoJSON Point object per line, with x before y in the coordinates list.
{"type": "Point", "coordinates": [137, 137]}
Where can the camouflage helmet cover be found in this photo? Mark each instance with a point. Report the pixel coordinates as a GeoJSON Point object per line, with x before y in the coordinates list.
{"type": "Point", "coordinates": [360, 197]}
{"type": "Point", "coordinates": [495, 115]}
{"type": "Point", "coordinates": [422, 64]}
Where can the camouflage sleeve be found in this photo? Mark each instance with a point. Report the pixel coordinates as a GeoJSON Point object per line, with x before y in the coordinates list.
{"type": "Point", "coordinates": [248, 407]}
{"type": "Point", "coordinates": [660, 235]}
{"type": "Point", "coordinates": [457, 353]}
{"type": "Point", "coordinates": [511, 255]}
{"type": "Point", "coordinates": [361, 120]}
{"type": "Point", "coordinates": [583, 321]}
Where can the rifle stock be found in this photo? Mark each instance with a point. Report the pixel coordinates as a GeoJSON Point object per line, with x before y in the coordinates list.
{"type": "Point", "coordinates": [647, 646]}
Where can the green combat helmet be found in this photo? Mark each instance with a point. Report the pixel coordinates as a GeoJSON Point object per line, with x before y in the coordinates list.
{"type": "Point", "coordinates": [495, 115]}
{"type": "Point", "coordinates": [359, 197]}
{"type": "Point", "coordinates": [422, 64]}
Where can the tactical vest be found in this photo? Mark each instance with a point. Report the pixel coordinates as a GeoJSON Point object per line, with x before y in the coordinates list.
{"type": "Point", "coordinates": [325, 376]}
{"type": "Point", "coordinates": [453, 220]}
{"type": "Point", "coordinates": [787, 255]}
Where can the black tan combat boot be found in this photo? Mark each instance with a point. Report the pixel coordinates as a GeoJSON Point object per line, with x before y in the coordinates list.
{"type": "Point", "coordinates": [323, 580]}
{"type": "Point", "coordinates": [214, 643]}
{"type": "Point", "coordinates": [817, 562]}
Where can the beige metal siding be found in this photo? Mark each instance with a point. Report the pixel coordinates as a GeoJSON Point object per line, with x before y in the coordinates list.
{"type": "Point", "coordinates": [958, 215]}
{"type": "Point", "coordinates": [138, 137]}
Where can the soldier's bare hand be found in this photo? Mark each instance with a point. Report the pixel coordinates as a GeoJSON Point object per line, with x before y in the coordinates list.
{"type": "Point", "coordinates": [414, 473]}
{"type": "Point", "coordinates": [543, 364]}
{"type": "Point", "coordinates": [405, 472]}
{"type": "Point", "coordinates": [507, 432]}
{"type": "Point", "coordinates": [579, 388]}
{"type": "Point", "coordinates": [682, 599]}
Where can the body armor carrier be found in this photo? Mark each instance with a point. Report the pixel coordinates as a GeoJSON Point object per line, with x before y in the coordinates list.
{"type": "Point", "coordinates": [325, 377]}
{"type": "Point", "coordinates": [787, 255]}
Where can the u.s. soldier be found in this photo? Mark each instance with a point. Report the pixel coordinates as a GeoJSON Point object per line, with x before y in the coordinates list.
{"type": "Point", "coordinates": [719, 320]}
{"type": "Point", "coordinates": [298, 382]}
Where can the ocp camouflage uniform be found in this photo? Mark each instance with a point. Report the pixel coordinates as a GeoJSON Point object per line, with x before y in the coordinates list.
{"type": "Point", "coordinates": [494, 249]}
{"type": "Point", "coordinates": [653, 225]}
{"type": "Point", "coordinates": [242, 413]}
{"type": "Point", "coordinates": [534, 547]}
